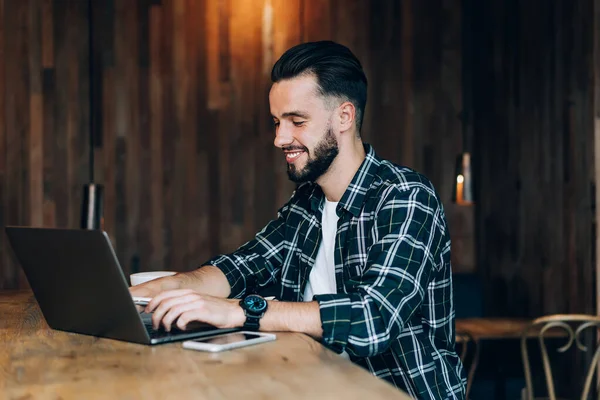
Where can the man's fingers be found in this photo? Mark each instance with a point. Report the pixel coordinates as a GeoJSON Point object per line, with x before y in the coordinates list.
{"type": "Point", "coordinates": [137, 291]}
{"type": "Point", "coordinates": [159, 298]}
{"type": "Point", "coordinates": [176, 313]}
{"type": "Point", "coordinates": [167, 304]}
{"type": "Point", "coordinates": [189, 316]}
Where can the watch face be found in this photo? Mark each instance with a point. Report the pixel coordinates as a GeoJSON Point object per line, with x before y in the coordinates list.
{"type": "Point", "coordinates": [255, 303]}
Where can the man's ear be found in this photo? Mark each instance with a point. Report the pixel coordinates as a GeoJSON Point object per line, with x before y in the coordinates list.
{"type": "Point", "coordinates": [347, 115]}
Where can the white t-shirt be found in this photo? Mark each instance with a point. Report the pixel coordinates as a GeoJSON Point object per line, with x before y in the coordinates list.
{"type": "Point", "coordinates": [322, 276]}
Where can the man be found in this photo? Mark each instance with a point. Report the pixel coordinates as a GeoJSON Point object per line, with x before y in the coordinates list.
{"type": "Point", "coordinates": [361, 250]}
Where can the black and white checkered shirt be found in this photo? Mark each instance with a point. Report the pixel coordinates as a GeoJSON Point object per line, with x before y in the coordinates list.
{"type": "Point", "coordinates": [393, 311]}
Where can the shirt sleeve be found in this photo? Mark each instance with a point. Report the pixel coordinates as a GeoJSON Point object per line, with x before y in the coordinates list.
{"type": "Point", "coordinates": [257, 262]}
{"type": "Point", "coordinates": [410, 231]}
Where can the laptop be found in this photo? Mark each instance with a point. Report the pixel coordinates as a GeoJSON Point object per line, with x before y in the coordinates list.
{"type": "Point", "coordinates": [80, 287]}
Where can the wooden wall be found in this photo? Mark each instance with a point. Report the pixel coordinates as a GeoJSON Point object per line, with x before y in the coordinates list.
{"type": "Point", "coordinates": [180, 119]}
{"type": "Point", "coordinates": [596, 77]}
{"type": "Point", "coordinates": [44, 120]}
{"type": "Point", "coordinates": [533, 93]}
{"type": "Point", "coordinates": [183, 139]}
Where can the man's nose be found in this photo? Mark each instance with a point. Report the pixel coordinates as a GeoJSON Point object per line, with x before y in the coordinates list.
{"type": "Point", "coordinates": [283, 137]}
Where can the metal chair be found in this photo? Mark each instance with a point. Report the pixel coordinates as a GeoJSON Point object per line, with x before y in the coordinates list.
{"type": "Point", "coordinates": [560, 325]}
{"type": "Point", "coordinates": [466, 339]}
{"type": "Point", "coordinates": [468, 303]}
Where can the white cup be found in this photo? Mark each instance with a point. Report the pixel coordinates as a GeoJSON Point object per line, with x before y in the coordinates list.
{"type": "Point", "coordinates": [142, 277]}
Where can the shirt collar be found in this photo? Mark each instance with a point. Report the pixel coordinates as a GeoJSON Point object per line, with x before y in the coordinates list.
{"type": "Point", "coordinates": [354, 197]}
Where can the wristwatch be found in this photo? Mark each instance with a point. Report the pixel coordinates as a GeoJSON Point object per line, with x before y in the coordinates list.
{"type": "Point", "coordinates": [254, 307]}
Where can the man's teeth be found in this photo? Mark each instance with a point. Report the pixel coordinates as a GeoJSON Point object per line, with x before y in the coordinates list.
{"type": "Point", "coordinates": [293, 155]}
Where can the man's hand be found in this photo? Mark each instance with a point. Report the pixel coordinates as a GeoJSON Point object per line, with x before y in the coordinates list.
{"type": "Point", "coordinates": [207, 279]}
{"type": "Point", "coordinates": [143, 290]}
{"type": "Point", "coordinates": [153, 288]}
{"type": "Point", "coordinates": [180, 307]}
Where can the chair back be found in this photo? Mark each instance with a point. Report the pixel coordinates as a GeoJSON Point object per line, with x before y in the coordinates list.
{"type": "Point", "coordinates": [468, 342]}
{"type": "Point", "coordinates": [570, 326]}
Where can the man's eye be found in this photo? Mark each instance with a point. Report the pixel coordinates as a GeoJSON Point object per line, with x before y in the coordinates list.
{"type": "Point", "coordinates": [298, 123]}
{"type": "Point", "coordinates": [276, 123]}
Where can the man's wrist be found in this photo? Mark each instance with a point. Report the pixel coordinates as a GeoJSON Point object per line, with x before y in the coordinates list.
{"type": "Point", "coordinates": [207, 279]}
{"type": "Point", "coordinates": [238, 314]}
{"type": "Point", "coordinates": [169, 282]}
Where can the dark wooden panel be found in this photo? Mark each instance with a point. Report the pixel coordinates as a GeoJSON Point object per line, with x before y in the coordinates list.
{"type": "Point", "coordinates": [6, 265]}
{"type": "Point", "coordinates": [246, 24]}
{"type": "Point", "coordinates": [49, 175]}
{"type": "Point", "coordinates": [185, 139]}
{"type": "Point", "coordinates": [47, 29]}
{"type": "Point", "coordinates": [144, 224]}
{"type": "Point", "coordinates": [211, 124]}
{"type": "Point", "coordinates": [318, 22]}
{"type": "Point", "coordinates": [224, 125]}
{"type": "Point", "coordinates": [71, 111]}
{"type": "Point", "coordinates": [16, 121]}
{"type": "Point", "coordinates": [106, 156]}
{"type": "Point", "coordinates": [199, 232]}
{"type": "Point", "coordinates": [346, 19]}
{"type": "Point", "coordinates": [36, 117]}
{"type": "Point", "coordinates": [378, 44]}
{"type": "Point", "coordinates": [127, 133]}
{"type": "Point", "coordinates": [150, 62]}
{"type": "Point", "coordinates": [222, 15]}
{"type": "Point", "coordinates": [596, 75]}
{"type": "Point", "coordinates": [265, 199]}
{"type": "Point", "coordinates": [168, 131]}
{"type": "Point", "coordinates": [155, 117]}
{"type": "Point", "coordinates": [61, 109]}
{"type": "Point", "coordinates": [533, 126]}
{"type": "Point", "coordinates": [287, 32]}
{"type": "Point", "coordinates": [386, 133]}
{"type": "Point", "coordinates": [78, 122]}
{"type": "Point", "coordinates": [48, 99]}
{"type": "Point", "coordinates": [181, 88]}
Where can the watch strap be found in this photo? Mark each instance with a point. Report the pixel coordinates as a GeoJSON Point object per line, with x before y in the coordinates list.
{"type": "Point", "coordinates": [252, 322]}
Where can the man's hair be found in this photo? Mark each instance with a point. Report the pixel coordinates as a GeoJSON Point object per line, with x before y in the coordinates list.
{"type": "Point", "coordinates": [338, 72]}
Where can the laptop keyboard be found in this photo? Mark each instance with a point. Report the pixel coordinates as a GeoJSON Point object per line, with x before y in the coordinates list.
{"type": "Point", "coordinates": [161, 332]}
{"type": "Point", "coordinates": [157, 333]}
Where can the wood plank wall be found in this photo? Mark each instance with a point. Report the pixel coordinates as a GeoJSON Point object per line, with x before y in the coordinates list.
{"type": "Point", "coordinates": [44, 120]}
{"type": "Point", "coordinates": [533, 71]}
{"type": "Point", "coordinates": [183, 141]}
{"type": "Point", "coordinates": [596, 77]}
{"type": "Point", "coordinates": [181, 124]}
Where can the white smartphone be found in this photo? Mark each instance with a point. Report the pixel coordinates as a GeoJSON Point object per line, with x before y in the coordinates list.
{"type": "Point", "coordinates": [228, 341]}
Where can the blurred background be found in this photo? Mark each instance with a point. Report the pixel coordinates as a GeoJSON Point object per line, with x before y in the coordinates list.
{"type": "Point", "coordinates": [164, 104]}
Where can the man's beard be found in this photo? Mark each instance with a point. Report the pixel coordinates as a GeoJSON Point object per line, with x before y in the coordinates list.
{"type": "Point", "coordinates": [324, 153]}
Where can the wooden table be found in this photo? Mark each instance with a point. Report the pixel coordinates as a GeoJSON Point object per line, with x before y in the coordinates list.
{"type": "Point", "coordinates": [38, 362]}
{"type": "Point", "coordinates": [476, 329]}
{"type": "Point", "coordinates": [496, 328]}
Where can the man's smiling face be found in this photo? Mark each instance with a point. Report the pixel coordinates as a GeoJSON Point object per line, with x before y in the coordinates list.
{"type": "Point", "coordinates": [302, 119]}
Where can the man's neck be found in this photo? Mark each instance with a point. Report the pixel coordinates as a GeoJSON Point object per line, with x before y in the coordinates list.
{"type": "Point", "coordinates": [335, 182]}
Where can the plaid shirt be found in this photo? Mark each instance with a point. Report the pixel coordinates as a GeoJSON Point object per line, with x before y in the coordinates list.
{"type": "Point", "coordinates": [393, 312]}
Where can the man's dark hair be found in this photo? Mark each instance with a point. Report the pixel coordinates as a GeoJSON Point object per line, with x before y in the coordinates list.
{"type": "Point", "coordinates": [338, 71]}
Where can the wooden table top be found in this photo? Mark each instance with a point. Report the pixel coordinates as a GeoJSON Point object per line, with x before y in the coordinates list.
{"type": "Point", "coordinates": [492, 328]}
{"type": "Point", "coordinates": [38, 362]}
{"type": "Point", "coordinates": [500, 328]}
